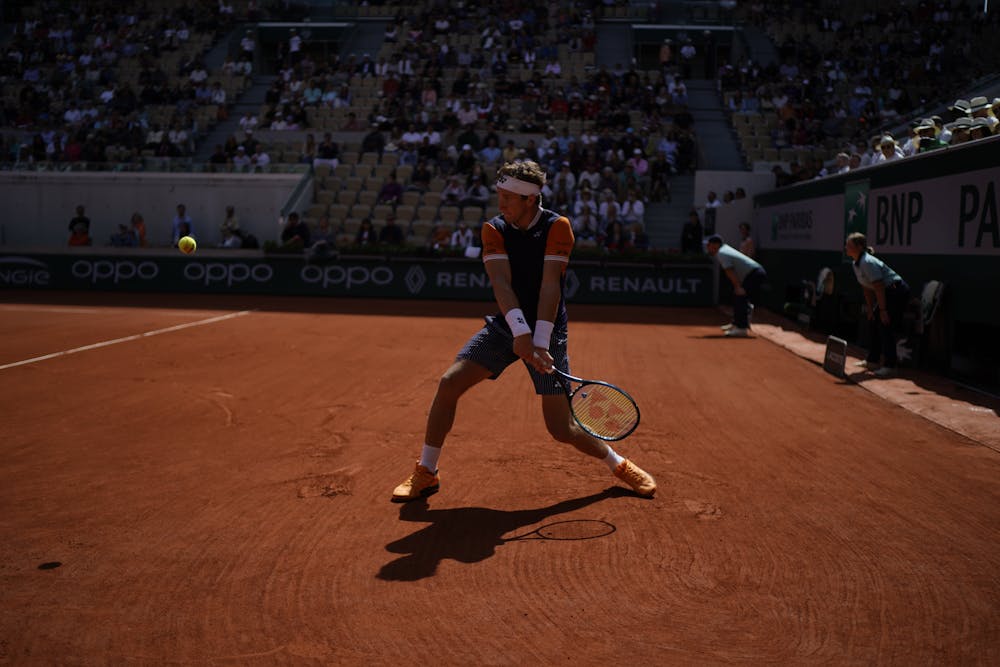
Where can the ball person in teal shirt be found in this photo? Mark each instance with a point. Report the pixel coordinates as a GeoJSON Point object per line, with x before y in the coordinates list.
{"type": "Point", "coordinates": [746, 275]}
{"type": "Point", "coordinates": [886, 295]}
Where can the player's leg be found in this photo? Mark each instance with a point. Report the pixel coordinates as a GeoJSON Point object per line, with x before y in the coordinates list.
{"type": "Point", "coordinates": [458, 379]}
{"type": "Point", "coordinates": [485, 356]}
{"type": "Point", "coordinates": [462, 376]}
{"type": "Point", "coordinates": [561, 425]}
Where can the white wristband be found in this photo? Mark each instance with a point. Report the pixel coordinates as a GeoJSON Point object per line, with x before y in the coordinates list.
{"type": "Point", "coordinates": [515, 320]}
{"type": "Point", "coordinates": [543, 333]}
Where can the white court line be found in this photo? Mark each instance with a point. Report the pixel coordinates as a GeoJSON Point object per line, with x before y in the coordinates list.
{"type": "Point", "coordinates": [49, 309]}
{"type": "Point", "coordinates": [82, 310]}
{"type": "Point", "coordinates": [146, 334]}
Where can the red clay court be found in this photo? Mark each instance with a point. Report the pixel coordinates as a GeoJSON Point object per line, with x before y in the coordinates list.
{"type": "Point", "coordinates": [212, 476]}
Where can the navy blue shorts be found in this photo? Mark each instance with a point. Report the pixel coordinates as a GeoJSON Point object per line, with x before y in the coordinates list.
{"type": "Point", "coordinates": [493, 348]}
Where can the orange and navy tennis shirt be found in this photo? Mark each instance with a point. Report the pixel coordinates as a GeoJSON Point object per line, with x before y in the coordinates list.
{"type": "Point", "coordinates": [548, 238]}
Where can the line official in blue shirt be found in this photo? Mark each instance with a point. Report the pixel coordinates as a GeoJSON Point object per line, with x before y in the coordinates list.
{"type": "Point", "coordinates": [886, 295]}
{"type": "Point", "coordinates": [746, 275]}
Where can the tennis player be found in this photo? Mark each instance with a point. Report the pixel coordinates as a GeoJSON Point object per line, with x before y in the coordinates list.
{"type": "Point", "coordinates": [526, 251]}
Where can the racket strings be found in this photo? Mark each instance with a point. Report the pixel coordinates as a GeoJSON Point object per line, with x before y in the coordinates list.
{"type": "Point", "coordinates": [604, 410]}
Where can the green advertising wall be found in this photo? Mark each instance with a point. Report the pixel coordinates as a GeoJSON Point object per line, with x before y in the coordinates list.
{"type": "Point", "coordinates": [931, 217]}
{"type": "Point", "coordinates": [935, 216]}
{"type": "Point", "coordinates": [669, 285]}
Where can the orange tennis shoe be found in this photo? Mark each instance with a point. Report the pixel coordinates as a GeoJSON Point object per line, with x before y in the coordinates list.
{"type": "Point", "coordinates": [640, 480]}
{"type": "Point", "coordinates": [421, 483]}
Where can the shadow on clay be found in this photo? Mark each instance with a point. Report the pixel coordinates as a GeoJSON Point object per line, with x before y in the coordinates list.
{"type": "Point", "coordinates": [472, 534]}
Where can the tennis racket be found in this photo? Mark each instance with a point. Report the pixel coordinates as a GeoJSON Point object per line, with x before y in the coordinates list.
{"type": "Point", "coordinates": [600, 408]}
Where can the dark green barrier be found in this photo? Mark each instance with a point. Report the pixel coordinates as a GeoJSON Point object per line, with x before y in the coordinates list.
{"type": "Point", "coordinates": [671, 285]}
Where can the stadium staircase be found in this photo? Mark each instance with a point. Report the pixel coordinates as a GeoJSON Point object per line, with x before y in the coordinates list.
{"type": "Point", "coordinates": [665, 219]}
{"type": "Point", "coordinates": [251, 100]}
{"type": "Point", "coordinates": [367, 37]}
{"type": "Point", "coordinates": [614, 44]}
{"type": "Point", "coordinates": [761, 48]}
{"type": "Point", "coordinates": [717, 147]}
{"type": "Point", "coordinates": [717, 151]}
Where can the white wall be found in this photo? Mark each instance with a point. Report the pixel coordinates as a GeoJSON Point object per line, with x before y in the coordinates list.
{"type": "Point", "coordinates": [728, 217]}
{"type": "Point", "coordinates": [37, 206]}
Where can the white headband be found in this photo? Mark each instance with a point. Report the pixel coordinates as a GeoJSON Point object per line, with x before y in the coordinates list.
{"type": "Point", "coordinates": [517, 185]}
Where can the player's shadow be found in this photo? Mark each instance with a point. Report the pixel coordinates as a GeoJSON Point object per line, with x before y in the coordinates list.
{"type": "Point", "coordinates": [465, 534]}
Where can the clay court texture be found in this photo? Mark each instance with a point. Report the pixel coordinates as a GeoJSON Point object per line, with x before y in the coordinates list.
{"type": "Point", "coordinates": [206, 481]}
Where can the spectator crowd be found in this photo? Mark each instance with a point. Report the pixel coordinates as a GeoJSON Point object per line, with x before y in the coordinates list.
{"type": "Point", "coordinates": [846, 74]}
{"type": "Point", "coordinates": [459, 89]}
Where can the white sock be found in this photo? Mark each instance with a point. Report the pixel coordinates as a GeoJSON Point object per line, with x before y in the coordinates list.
{"type": "Point", "coordinates": [613, 459]}
{"type": "Point", "coordinates": [429, 457]}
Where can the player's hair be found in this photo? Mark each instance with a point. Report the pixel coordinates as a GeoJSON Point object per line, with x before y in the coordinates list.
{"type": "Point", "coordinates": [859, 240]}
{"type": "Point", "coordinates": [525, 170]}
{"type": "Point", "coordinates": [715, 238]}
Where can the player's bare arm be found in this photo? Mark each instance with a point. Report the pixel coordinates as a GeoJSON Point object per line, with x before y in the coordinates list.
{"type": "Point", "coordinates": [499, 272]}
{"type": "Point", "coordinates": [548, 303]}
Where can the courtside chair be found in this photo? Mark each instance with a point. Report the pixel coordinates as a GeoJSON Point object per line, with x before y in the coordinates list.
{"type": "Point", "coordinates": [472, 215]}
{"type": "Point", "coordinates": [359, 211]}
{"type": "Point", "coordinates": [381, 211]}
{"type": "Point", "coordinates": [448, 215]}
{"type": "Point", "coordinates": [333, 184]}
{"type": "Point", "coordinates": [426, 214]}
{"type": "Point", "coordinates": [405, 214]}
{"type": "Point", "coordinates": [403, 173]}
{"type": "Point", "coordinates": [437, 185]}
{"type": "Point", "coordinates": [381, 172]}
{"type": "Point", "coordinates": [421, 229]}
{"type": "Point", "coordinates": [410, 198]}
{"type": "Point", "coordinates": [346, 196]}
{"type": "Point", "coordinates": [356, 183]}
{"type": "Point", "coordinates": [431, 198]}
{"type": "Point", "coordinates": [369, 197]}
{"type": "Point", "coordinates": [338, 213]}
{"type": "Point", "coordinates": [316, 211]}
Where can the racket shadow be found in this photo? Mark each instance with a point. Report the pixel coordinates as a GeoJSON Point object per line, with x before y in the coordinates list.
{"type": "Point", "coordinates": [472, 534]}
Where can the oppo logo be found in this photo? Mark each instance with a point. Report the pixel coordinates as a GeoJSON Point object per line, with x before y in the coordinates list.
{"type": "Point", "coordinates": [348, 277]}
{"type": "Point", "coordinates": [227, 274]}
{"type": "Point", "coordinates": [114, 271]}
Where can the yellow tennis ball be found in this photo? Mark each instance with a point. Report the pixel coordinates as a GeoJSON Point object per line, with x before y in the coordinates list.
{"type": "Point", "coordinates": [187, 245]}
